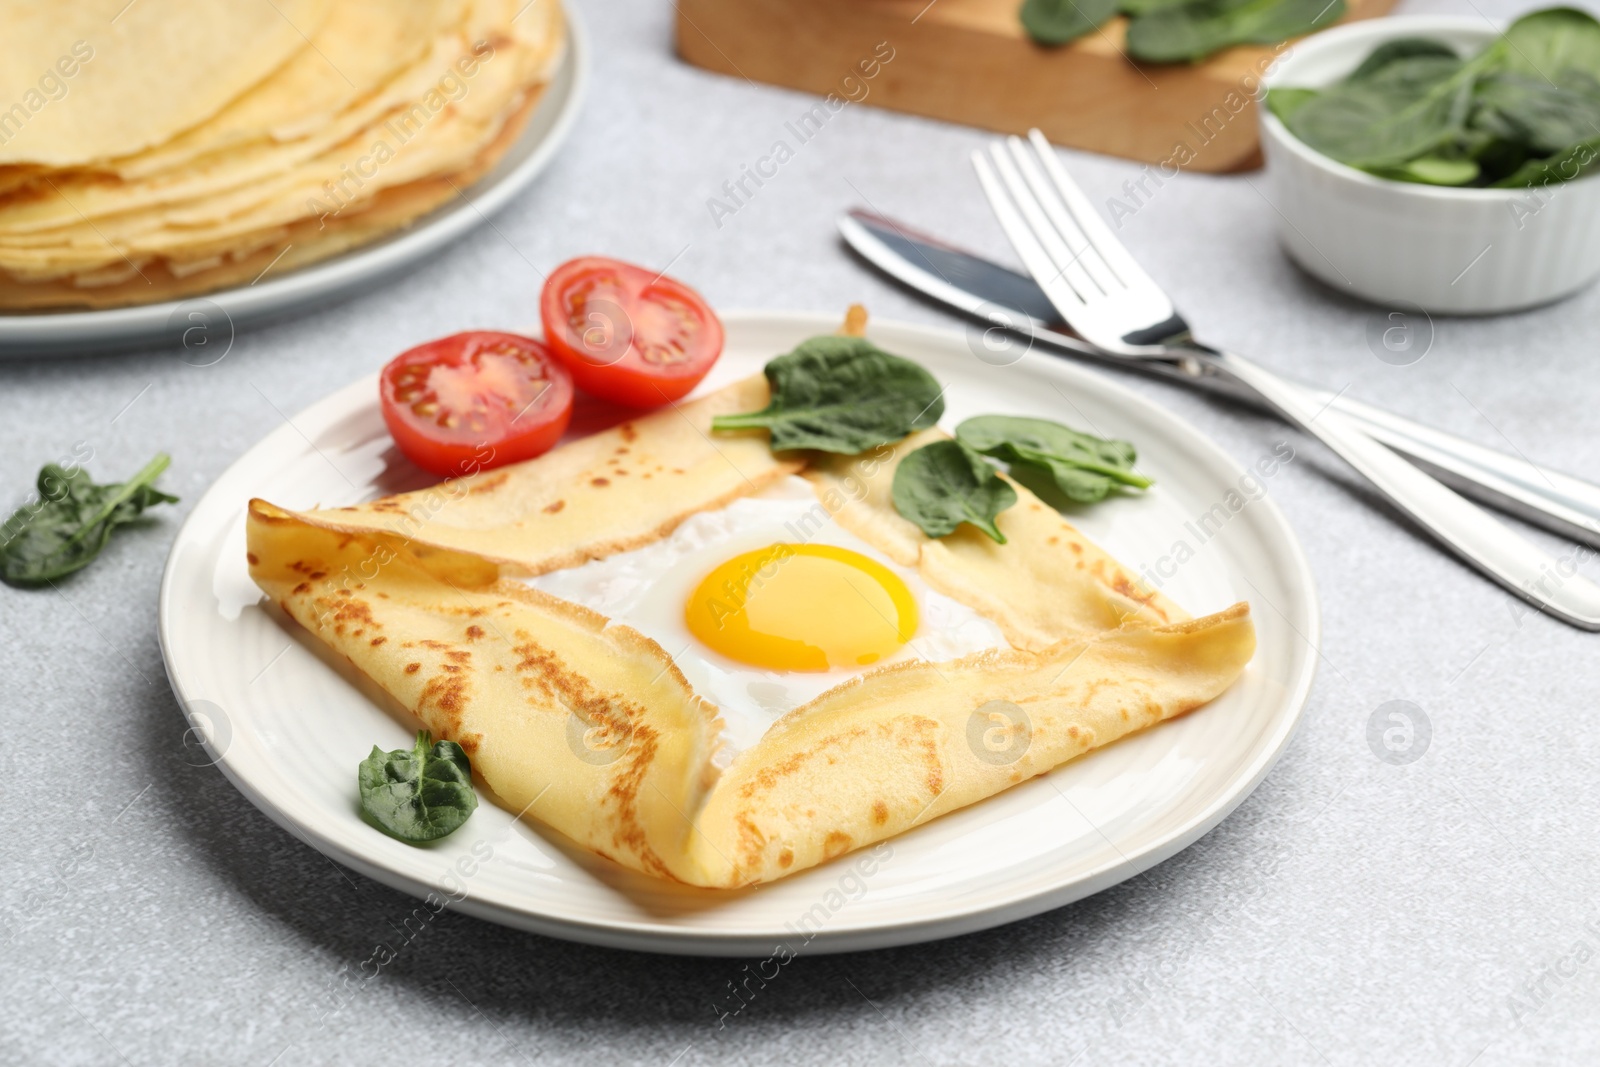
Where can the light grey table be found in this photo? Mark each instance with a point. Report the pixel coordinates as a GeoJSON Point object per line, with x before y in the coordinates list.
{"type": "Point", "coordinates": [1351, 911]}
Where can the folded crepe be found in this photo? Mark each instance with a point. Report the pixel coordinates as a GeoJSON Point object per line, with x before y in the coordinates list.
{"type": "Point", "coordinates": [420, 591]}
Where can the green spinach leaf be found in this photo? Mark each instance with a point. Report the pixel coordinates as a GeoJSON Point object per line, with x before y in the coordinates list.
{"type": "Point", "coordinates": [1408, 108]}
{"type": "Point", "coordinates": [1524, 111]}
{"type": "Point", "coordinates": [1083, 467]}
{"type": "Point", "coordinates": [65, 529]}
{"type": "Point", "coordinates": [1192, 31]}
{"type": "Point", "coordinates": [1541, 102]}
{"type": "Point", "coordinates": [1564, 166]}
{"type": "Point", "coordinates": [944, 484]}
{"type": "Point", "coordinates": [417, 794]}
{"type": "Point", "coordinates": [844, 395]}
{"type": "Point", "coordinates": [1059, 21]}
{"type": "Point", "coordinates": [1432, 170]}
{"type": "Point", "coordinates": [1542, 116]}
{"type": "Point", "coordinates": [1399, 48]}
{"type": "Point", "coordinates": [1496, 159]}
{"type": "Point", "coordinates": [1544, 44]}
{"type": "Point", "coordinates": [1286, 101]}
{"type": "Point", "coordinates": [1144, 7]}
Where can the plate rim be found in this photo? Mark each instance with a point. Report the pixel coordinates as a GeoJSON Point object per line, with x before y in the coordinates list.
{"type": "Point", "coordinates": [662, 938]}
{"type": "Point", "coordinates": [65, 334]}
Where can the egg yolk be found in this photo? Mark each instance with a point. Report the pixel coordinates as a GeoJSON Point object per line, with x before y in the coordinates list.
{"type": "Point", "coordinates": [793, 607]}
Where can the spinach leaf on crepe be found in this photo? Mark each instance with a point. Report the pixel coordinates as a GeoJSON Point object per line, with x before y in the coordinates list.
{"type": "Point", "coordinates": [1060, 21]}
{"type": "Point", "coordinates": [72, 521]}
{"type": "Point", "coordinates": [1192, 31]}
{"type": "Point", "coordinates": [944, 484]}
{"type": "Point", "coordinates": [844, 395]}
{"type": "Point", "coordinates": [1083, 467]}
{"type": "Point", "coordinates": [417, 794]}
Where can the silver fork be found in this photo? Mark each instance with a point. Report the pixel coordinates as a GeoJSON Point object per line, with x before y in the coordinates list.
{"type": "Point", "coordinates": [1107, 298]}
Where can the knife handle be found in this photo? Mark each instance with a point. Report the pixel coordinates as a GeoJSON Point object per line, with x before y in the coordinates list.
{"type": "Point", "coordinates": [1512, 485]}
{"type": "Point", "coordinates": [1554, 586]}
{"type": "Point", "coordinates": [1516, 486]}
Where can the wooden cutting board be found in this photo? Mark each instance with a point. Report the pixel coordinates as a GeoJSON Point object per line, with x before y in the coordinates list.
{"type": "Point", "coordinates": [969, 61]}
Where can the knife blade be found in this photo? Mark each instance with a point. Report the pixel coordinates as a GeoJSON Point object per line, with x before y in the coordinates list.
{"type": "Point", "coordinates": [985, 290]}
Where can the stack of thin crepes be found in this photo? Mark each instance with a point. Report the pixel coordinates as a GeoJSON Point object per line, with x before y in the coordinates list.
{"type": "Point", "coordinates": [165, 148]}
{"type": "Point", "coordinates": [420, 592]}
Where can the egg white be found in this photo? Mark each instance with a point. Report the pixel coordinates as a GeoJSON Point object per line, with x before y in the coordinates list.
{"type": "Point", "coordinates": [649, 587]}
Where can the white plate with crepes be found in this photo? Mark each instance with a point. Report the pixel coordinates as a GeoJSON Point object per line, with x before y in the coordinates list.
{"type": "Point", "coordinates": [203, 326]}
{"type": "Point", "coordinates": [287, 721]}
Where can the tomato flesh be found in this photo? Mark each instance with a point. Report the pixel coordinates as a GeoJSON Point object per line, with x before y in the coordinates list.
{"type": "Point", "coordinates": [627, 334]}
{"type": "Point", "coordinates": [475, 400]}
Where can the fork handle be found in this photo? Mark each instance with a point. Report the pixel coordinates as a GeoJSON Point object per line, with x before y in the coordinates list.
{"type": "Point", "coordinates": [1513, 485]}
{"type": "Point", "coordinates": [1555, 586]}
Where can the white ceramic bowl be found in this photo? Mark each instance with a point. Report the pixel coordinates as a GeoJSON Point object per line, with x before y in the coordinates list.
{"type": "Point", "coordinates": [1457, 251]}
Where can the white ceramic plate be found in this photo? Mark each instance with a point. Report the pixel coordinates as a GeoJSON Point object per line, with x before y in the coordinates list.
{"type": "Point", "coordinates": [288, 724]}
{"type": "Point", "coordinates": [220, 314]}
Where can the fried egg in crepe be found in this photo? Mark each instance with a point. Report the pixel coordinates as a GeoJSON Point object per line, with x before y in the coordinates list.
{"type": "Point", "coordinates": [426, 594]}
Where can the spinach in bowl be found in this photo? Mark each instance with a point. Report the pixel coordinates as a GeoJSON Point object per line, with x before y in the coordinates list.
{"type": "Point", "coordinates": [1524, 111]}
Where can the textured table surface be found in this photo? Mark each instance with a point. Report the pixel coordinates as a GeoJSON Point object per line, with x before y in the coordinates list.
{"type": "Point", "coordinates": [1351, 911]}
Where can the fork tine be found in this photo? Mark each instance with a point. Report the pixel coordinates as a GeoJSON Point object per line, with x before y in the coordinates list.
{"type": "Point", "coordinates": [1066, 260]}
{"type": "Point", "coordinates": [1089, 221]}
{"type": "Point", "coordinates": [1050, 201]}
{"type": "Point", "coordinates": [1032, 253]}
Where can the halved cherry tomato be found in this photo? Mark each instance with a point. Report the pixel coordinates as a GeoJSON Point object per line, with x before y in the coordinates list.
{"type": "Point", "coordinates": [475, 400]}
{"type": "Point", "coordinates": [627, 334]}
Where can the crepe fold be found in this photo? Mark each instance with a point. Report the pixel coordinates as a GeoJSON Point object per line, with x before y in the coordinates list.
{"type": "Point", "coordinates": [587, 726]}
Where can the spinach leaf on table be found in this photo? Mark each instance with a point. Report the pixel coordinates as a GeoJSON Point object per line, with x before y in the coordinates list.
{"type": "Point", "coordinates": [417, 794]}
{"type": "Point", "coordinates": [1170, 31]}
{"type": "Point", "coordinates": [72, 520]}
{"type": "Point", "coordinates": [844, 395]}
{"type": "Point", "coordinates": [1192, 31]}
{"type": "Point", "coordinates": [1083, 467]}
{"type": "Point", "coordinates": [1059, 21]}
{"type": "Point", "coordinates": [1133, 8]}
{"type": "Point", "coordinates": [944, 484]}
